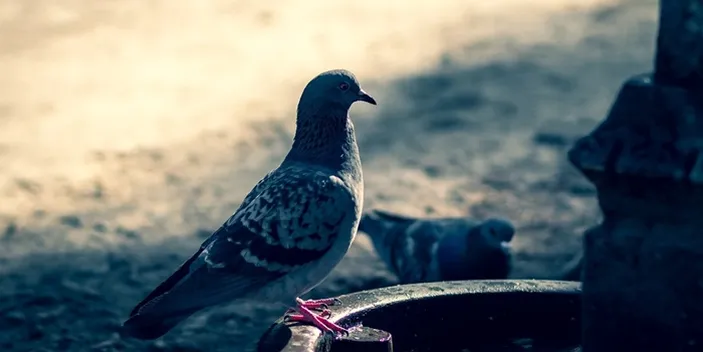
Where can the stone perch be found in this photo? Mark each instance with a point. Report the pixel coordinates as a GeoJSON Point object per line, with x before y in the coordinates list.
{"type": "Point", "coordinates": [679, 60]}
{"type": "Point", "coordinates": [643, 265]}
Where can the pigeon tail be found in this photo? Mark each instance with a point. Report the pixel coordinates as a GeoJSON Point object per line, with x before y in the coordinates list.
{"type": "Point", "coordinates": [377, 229]}
{"type": "Point", "coordinates": [151, 326]}
{"type": "Point", "coordinates": [384, 230]}
{"type": "Point", "coordinates": [371, 225]}
{"type": "Point", "coordinates": [377, 222]}
{"type": "Point", "coordinates": [144, 323]}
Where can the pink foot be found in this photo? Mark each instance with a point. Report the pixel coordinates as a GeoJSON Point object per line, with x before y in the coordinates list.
{"type": "Point", "coordinates": [301, 318]}
{"type": "Point", "coordinates": [318, 303]}
{"type": "Point", "coordinates": [320, 320]}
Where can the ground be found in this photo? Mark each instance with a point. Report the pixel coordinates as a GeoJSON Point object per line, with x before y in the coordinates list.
{"type": "Point", "coordinates": [129, 130]}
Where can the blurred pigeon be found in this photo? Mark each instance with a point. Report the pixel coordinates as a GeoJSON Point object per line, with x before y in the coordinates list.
{"type": "Point", "coordinates": [290, 231]}
{"type": "Point", "coordinates": [444, 249]}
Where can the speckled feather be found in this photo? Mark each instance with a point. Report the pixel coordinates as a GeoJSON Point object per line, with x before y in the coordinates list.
{"type": "Point", "coordinates": [291, 224]}
{"type": "Point", "coordinates": [407, 246]}
{"type": "Point", "coordinates": [425, 250]}
{"type": "Point", "coordinates": [290, 231]}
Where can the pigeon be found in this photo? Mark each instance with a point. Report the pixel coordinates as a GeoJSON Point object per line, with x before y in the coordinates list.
{"type": "Point", "coordinates": [443, 249]}
{"type": "Point", "coordinates": [288, 233]}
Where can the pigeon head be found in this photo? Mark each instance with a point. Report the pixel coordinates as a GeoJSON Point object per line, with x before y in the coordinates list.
{"type": "Point", "coordinates": [331, 94]}
{"type": "Point", "coordinates": [497, 232]}
{"type": "Point", "coordinates": [324, 134]}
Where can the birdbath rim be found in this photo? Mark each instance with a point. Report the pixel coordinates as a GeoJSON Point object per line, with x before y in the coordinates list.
{"type": "Point", "coordinates": [356, 305]}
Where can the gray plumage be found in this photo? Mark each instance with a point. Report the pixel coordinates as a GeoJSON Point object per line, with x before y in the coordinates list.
{"type": "Point", "coordinates": [289, 232]}
{"type": "Point", "coordinates": [443, 249]}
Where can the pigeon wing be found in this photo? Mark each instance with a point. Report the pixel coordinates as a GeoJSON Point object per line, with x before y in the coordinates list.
{"type": "Point", "coordinates": [184, 269]}
{"type": "Point", "coordinates": [412, 253]}
{"type": "Point", "coordinates": [292, 222]}
{"type": "Point", "coordinates": [256, 190]}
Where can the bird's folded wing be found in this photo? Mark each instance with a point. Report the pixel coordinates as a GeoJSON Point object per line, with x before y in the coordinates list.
{"type": "Point", "coordinates": [255, 191]}
{"type": "Point", "coordinates": [414, 257]}
{"type": "Point", "coordinates": [291, 223]}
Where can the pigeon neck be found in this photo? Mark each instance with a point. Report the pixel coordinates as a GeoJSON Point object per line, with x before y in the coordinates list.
{"type": "Point", "coordinates": [452, 256]}
{"type": "Point", "coordinates": [471, 257]}
{"type": "Point", "coordinates": [328, 141]}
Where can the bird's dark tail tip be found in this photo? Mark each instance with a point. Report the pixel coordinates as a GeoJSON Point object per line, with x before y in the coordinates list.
{"type": "Point", "coordinates": [370, 224]}
{"type": "Point", "coordinates": [147, 328]}
{"type": "Point", "coordinates": [375, 221]}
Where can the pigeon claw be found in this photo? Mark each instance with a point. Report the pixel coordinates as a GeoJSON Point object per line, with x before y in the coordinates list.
{"type": "Point", "coordinates": [296, 317]}
{"type": "Point", "coordinates": [318, 303]}
{"type": "Point", "coordinates": [320, 320]}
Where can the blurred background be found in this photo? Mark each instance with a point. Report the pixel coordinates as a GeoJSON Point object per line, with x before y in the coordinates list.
{"type": "Point", "coordinates": [129, 130]}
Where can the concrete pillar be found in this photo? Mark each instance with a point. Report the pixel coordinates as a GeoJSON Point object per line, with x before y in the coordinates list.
{"type": "Point", "coordinates": [643, 265]}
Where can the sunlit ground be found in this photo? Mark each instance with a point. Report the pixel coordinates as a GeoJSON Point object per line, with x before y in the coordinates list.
{"type": "Point", "coordinates": [85, 76]}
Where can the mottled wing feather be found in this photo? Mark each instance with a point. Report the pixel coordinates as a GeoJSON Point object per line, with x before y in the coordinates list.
{"type": "Point", "coordinates": [261, 185]}
{"type": "Point", "coordinates": [184, 269]}
{"type": "Point", "coordinates": [292, 222]}
{"type": "Point", "coordinates": [413, 256]}
{"type": "Point", "coordinates": [218, 274]}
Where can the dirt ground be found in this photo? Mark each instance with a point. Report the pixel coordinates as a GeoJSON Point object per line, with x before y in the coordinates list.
{"type": "Point", "coordinates": [130, 129]}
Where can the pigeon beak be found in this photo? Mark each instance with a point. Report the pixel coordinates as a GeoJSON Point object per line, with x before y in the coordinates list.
{"type": "Point", "coordinates": [363, 96]}
{"type": "Point", "coordinates": [505, 245]}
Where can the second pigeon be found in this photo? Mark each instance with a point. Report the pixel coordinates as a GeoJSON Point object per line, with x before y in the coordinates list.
{"type": "Point", "coordinates": [443, 249]}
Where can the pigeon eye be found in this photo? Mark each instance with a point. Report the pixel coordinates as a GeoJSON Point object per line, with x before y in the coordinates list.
{"type": "Point", "coordinates": [343, 86]}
